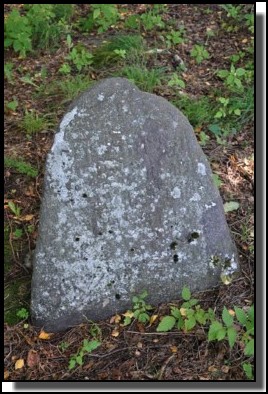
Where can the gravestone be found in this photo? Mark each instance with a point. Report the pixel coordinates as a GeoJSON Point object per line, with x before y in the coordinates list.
{"type": "Point", "coordinates": [129, 205]}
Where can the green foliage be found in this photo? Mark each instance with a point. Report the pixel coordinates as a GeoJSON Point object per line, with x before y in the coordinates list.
{"type": "Point", "coordinates": [234, 78]}
{"type": "Point", "coordinates": [216, 180]}
{"type": "Point", "coordinates": [203, 138]}
{"type": "Point", "coordinates": [12, 105]}
{"type": "Point", "coordinates": [174, 37]}
{"type": "Point", "coordinates": [132, 22]}
{"type": "Point", "coordinates": [197, 110]}
{"type": "Point", "coordinates": [18, 33]}
{"type": "Point", "coordinates": [23, 313]}
{"type": "Point", "coordinates": [33, 123]}
{"type": "Point", "coordinates": [150, 21]}
{"type": "Point", "coordinates": [14, 208]}
{"type": "Point", "coordinates": [8, 71]}
{"type": "Point", "coordinates": [64, 346]}
{"type": "Point", "coordinates": [20, 166]}
{"type": "Point", "coordinates": [140, 308]}
{"type": "Point", "coordinates": [17, 233]}
{"type": "Point", "coordinates": [176, 81]}
{"type": "Point", "coordinates": [145, 79]}
{"type": "Point", "coordinates": [186, 294]}
{"type": "Point", "coordinates": [71, 87]}
{"type": "Point", "coordinates": [104, 16]}
{"type": "Point", "coordinates": [80, 57]}
{"type": "Point", "coordinates": [166, 324]}
{"type": "Point", "coordinates": [87, 347]}
{"type": "Point", "coordinates": [232, 11]}
{"type": "Point", "coordinates": [248, 370]}
{"type": "Point", "coordinates": [199, 53]}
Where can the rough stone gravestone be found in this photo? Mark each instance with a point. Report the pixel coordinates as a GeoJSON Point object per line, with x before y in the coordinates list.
{"type": "Point", "coordinates": [129, 205]}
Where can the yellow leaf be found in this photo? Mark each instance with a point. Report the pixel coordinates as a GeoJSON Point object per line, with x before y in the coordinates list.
{"type": "Point", "coordinates": [115, 333]}
{"type": "Point", "coordinates": [231, 312]}
{"type": "Point", "coordinates": [128, 314]}
{"type": "Point", "coordinates": [19, 363]}
{"type": "Point", "coordinates": [245, 40]}
{"type": "Point", "coordinates": [27, 218]}
{"type": "Point", "coordinates": [6, 375]}
{"type": "Point", "coordinates": [153, 319]}
{"type": "Point", "coordinates": [44, 335]}
{"type": "Point", "coordinates": [183, 311]}
{"type": "Point", "coordinates": [212, 368]}
{"type": "Point", "coordinates": [174, 349]}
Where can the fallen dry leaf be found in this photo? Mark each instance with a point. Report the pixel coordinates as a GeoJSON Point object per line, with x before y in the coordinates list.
{"type": "Point", "coordinates": [128, 314]}
{"type": "Point", "coordinates": [231, 312]}
{"type": "Point", "coordinates": [115, 319]}
{"type": "Point", "coordinates": [139, 345]}
{"type": "Point", "coordinates": [183, 311]}
{"type": "Point", "coordinates": [19, 363]}
{"type": "Point", "coordinates": [26, 218]}
{"type": "Point", "coordinates": [115, 333]}
{"type": "Point", "coordinates": [174, 349]}
{"type": "Point", "coordinates": [212, 369]}
{"type": "Point", "coordinates": [6, 375]}
{"type": "Point", "coordinates": [225, 368]}
{"type": "Point", "coordinates": [32, 358]}
{"type": "Point", "coordinates": [44, 335]}
{"type": "Point", "coordinates": [153, 319]}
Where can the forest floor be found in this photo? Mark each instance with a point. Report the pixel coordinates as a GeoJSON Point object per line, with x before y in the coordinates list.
{"type": "Point", "coordinates": [35, 91]}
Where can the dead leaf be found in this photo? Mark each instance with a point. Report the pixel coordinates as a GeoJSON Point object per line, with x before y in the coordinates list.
{"type": "Point", "coordinates": [26, 218]}
{"type": "Point", "coordinates": [32, 358]}
{"type": "Point", "coordinates": [128, 314]}
{"type": "Point", "coordinates": [231, 312]}
{"type": "Point", "coordinates": [19, 363]}
{"type": "Point", "coordinates": [139, 345]}
{"type": "Point", "coordinates": [245, 40]}
{"type": "Point", "coordinates": [6, 375]}
{"type": "Point", "coordinates": [153, 319]}
{"type": "Point", "coordinates": [183, 311]}
{"type": "Point", "coordinates": [225, 368]}
{"type": "Point", "coordinates": [115, 333]}
{"type": "Point", "coordinates": [174, 349]}
{"type": "Point", "coordinates": [212, 369]}
{"type": "Point", "coordinates": [44, 335]}
{"type": "Point", "coordinates": [115, 319]}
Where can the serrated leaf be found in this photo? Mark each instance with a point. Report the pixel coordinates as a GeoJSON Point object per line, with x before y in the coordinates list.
{"type": "Point", "coordinates": [251, 313]}
{"type": "Point", "coordinates": [166, 324]}
{"type": "Point", "coordinates": [89, 346]}
{"type": "Point", "coordinates": [240, 72]}
{"type": "Point", "coordinates": [143, 317]}
{"type": "Point", "coordinates": [249, 349]}
{"type": "Point", "coordinates": [72, 363]}
{"type": "Point", "coordinates": [200, 316]}
{"type": "Point", "coordinates": [175, 312]}
{"type": "Point", "coordinates": [248, 370]}
{"type": "Point", "coordinates": [231, 334]}
{"type": "Point", "coordinates": [190, 323]}
{"type": "Point", "coordinates": [96, 13]}
{"type": "Point", "coordinates": [193, 301]}
{"type": "Point", "coordinates": [19, 363]}
{"type": "Point", "coordinates": [240, 315]}
{"type": "Point", "coordinates": [221, 334]}
{"type": "Point", "coordinates": [186, 294]}
{"type": "Point", "coordinates": [227, 318]}
{"type": "Point", "coordinates": [214, 328]}
{"type": "Point", "coordinates": [230, 206]}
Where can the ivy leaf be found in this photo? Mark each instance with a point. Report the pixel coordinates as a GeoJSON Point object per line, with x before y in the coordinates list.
{"type": "Point", "coordinates": [166, 324]}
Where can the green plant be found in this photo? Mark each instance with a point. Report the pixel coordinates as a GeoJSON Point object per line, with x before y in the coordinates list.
{"type": "Point", "coordinates": [140, 309]}
{"type": "Point", "coordinates": [234, 77]}
{"type": "Point", "coordinates": [80, 57]}
{"type": "Point", "coordinates": [199, 53]}
{"type": "Point", "coordinates": [132, 22]}
{"type": "Point", "coordinates": [87, 347]}
{"type": "Point", "coordinates": [197, 110]}
{"type": "Point", "coordinates": [20, 166]}
{"type": "Point", "coordinates": [64, 346]}
{"type": "Point", "coordinates": [71, 87]}
{"type": "Point", "coordinates": [33, 123]}
{"type": "Point", "coordinates": [174, 38]}
{"type": "Point", "coordinates": [65, 68]}
{"type": "Point", "coordinates": [145, 79]}
{"type": "Point", "coordinates": [18, 33]}
{"type": "Point", "coordinates": [104, 15]}
{"type": "Point", "coordinates": [17, 233]}
{"type": "Point", "coordinates": [14, 208]}
{"type": "Point", "coordinates": [232, 11]}
{"type": "Point", "coordinates": [121, 53]}
{"type": "Point", "coordinates": [216, 180]}
{"type": "Point", "coordinates": [23, 313]}
{"type": "Point", "coordinates": [150, 21]}
{"type": "Point", "coordinates": [203, 138]}
{"type": "Point", "coordinates": [12, 105]}
{"type": "Point", "coordinates": [8, 71]}
{"type": "Point", "coordinates": [176, 81]}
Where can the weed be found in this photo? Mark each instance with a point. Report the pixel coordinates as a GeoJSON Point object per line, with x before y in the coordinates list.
{"type": "Point", "coordinates": [203, 138]}
{"type": "Point", "coordinates": [150, 21]}
{"type": "Point", "coordinates": [145, 79]}
{"type": "Point", "coordinates": [234, 78]}
{"type": "Point", "coordinates": [72, 86]}
{"type": "Point", "coordinates": [33, 123]}
{"type": "Point", "coordinates": [174, 38]}
{"type": "Point", "coordinates": [14, 208]}
{"type": "Point", "coordinates": [64, 346]}
{"type": "Point", "coordinates": [87, 347]}
{"type": "Point", "coordinates": [12, 105]}
{"type": "Point", "coordinates": [23, 314]}
{"type": "Point", "coordinates": [140, 309]}
{"type": "Point", "coordinates": [132, 22]}
{"type": "Point", "coordinates": [20, 166]}
{"type": "Point", "coordinates": [80, 57]}
{"type": "Point", "coordinates": [176, 81]}
{"type": "Point", "coordinates": [198, 110]}
{"type": "Point", "coordinates": [199, 53]}
{"type": "Point", "coordinates": [18, 33]}
{"type": "Point", "coordinates": [8, 71]}
{"type": "Point", "coordinates": [104, 15]}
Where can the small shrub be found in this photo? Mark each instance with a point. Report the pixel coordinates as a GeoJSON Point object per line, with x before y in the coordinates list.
{"type": "Point", "coordinates": [199, 53]}
{"type": "Point", "coordinates": [18, 33]}
{"type": "Point", "coordinates": [104, 15]}
{"type": "Point", "coordinates": [71, 87]}
{"type": "Point", "coordinates": [33, 123]}
{"type": "Point", "coordinates": [150, 21]}
{"type": "Point", "coordinates": [80, 57]}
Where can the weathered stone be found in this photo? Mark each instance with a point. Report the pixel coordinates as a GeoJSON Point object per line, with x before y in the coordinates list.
{"type": "Point", "coordinates": [129, 205]}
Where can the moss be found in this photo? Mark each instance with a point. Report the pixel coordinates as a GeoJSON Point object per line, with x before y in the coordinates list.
{"type": "Point", "coordinates": [17, 295]}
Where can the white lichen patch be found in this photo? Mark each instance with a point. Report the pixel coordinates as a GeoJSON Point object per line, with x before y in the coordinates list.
{"type": "Point", "coordinates": [101, 149]}
{"type": "Point", "coordinates": [176, 193]}
{"type": "Point", "coordinates": [196, 197]}
{"type": "Point", "coordinates": [201, 169]}
{"type": "Point", "coordinates": [210, 205]}
{"type": "Point", "coordinates": [125, 108]}
{"type": "Point", "coordinates": [101, 97]}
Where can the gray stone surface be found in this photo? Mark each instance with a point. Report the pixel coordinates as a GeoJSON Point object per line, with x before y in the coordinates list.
{"type": "Point", "coordinates": [128, 205]}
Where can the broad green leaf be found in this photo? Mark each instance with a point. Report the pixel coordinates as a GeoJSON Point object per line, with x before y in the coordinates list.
{"type": "Point", "coordinates": [144, 294]}
{"type": "Point", "coordinates": [218, 115]}
{"type": "Point", "coordinates": [240, 315]}
{"type": "Point", "coordinates": [186, 294]}
{"type": "Point", "coordinates": [223, 73]}
{"type": "Point", "coordinates": [237, 111]}
{"type": "Point", "coordinates": [230, 206]}
{"type": "Point", "coordinates": [231, 334]}
{"type": "Point", "coordinates": [143, 317]}
{"type": "Point", "coordinates": [248, 370]}
{"type": "Point", "coordinates": [214, 328]}
{"type": "Point", "coordinates": [201, 316]}
{"type": "Point", "coordinates": [12, 105]}
{"type": "Point", "coordinates": [175, 312]}
{"type": "Point", "coordinates": [79, 360]}
{"type": "Point", "coordinates": [227, 318]}
{"type": "Point", "coordinates": [127, 321]}
{"type": "Point", "coordinates": [251, 313]}
{"type": "Point", "coordinates": [240, 72]}
{"type": "Point", "coordinates": [72, 363]}
{"type": "Point", "coordinates": [221, 334]}
{"type": "Point", "coordinates": [89, 346]}
{"type": "Point", "coordinates": [215, 129]}
{"type": "Point", "coordinates": [249, 349]}
{"type": "Point", "coordinates": [190, 323]}
{"type": "Point", "coordinates": [193, 301]}
{"type": "Point", "coordinates": [166, 324]}
{"type": "Point", "coordinates": [96, 13]}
